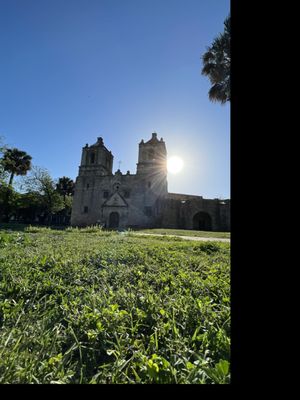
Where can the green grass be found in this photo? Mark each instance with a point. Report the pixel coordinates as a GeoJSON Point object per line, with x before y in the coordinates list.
{"type": "Point", "coordinates": [104, 307]}
{"type": "Point", "coordinates": [183, 232]}
{"type": "Point", "coordinates": [95, 228]}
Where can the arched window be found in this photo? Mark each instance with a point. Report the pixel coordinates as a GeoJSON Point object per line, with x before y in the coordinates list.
{"type": "Point", "coordinates": [151, 154]}
{"type": "Point", "coordinates": [92, 158]}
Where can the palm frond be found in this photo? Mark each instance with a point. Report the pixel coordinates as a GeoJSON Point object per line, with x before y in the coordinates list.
{"type": "Point", "coordinates": [216, 65]}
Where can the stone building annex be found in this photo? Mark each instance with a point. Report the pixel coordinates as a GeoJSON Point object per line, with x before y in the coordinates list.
{"type": "Point", "coordinates": [139, 200]}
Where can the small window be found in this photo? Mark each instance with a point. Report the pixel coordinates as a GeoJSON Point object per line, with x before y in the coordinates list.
{"type": "Point", "coordinates": [148, 211]}
{"type": "Point", "coordinates": [86, 209]}
{"type": "Point", "coordinates": [149, 184]}
{"type": "Point", "coordinates": [92, 158]}
{"type": "Point", "coordinates": [105, 194]}
{"type": "Point", "coordinates": [127, 194]}
{"type": "Point", "coordinates": [116, 186]}
{"type": "Point", "coordinates": [151, 154]}
{"type": "Point", "coordinates": [87, 185]}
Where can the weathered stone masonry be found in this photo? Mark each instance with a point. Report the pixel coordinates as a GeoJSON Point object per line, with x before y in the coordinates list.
{"type": "Point", "coordinates": [139, 200]}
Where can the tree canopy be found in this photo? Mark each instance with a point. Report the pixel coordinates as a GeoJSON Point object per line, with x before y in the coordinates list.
{"type": "Point", "coordinates": [39, 198]}
{"type": "Point", "coordinates": [16, 162]}
{"type": "Point", "coordinates": [216, 65]}
{"type": "Point", "coordinates": [41, 182]}
{"type": "Point", "coordinates": [65, 187]}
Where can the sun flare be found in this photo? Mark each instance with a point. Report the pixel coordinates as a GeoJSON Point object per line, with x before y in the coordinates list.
{"type": "Point", "coordinates": [174, 165]}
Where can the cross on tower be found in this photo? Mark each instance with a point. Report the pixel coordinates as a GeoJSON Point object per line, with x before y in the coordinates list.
{"type": "Point", "coordinates": [120, 164]}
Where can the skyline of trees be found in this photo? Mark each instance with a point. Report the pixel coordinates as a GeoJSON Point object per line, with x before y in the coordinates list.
{"type": "Point", "coordinates": [39, 198]}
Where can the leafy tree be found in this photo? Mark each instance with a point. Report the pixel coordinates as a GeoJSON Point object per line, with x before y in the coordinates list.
{"type": "Point", "coordinates": [16, 162]}
{"type": "Point", "coordinates": [2, 145]}
{"type": "Point", "coordinates": [8, 201]}
{"type": "Point", "coordinates": [216, 65]}
{"type": "Point", "coordinates": [30, 207]}
{"type": "Point", "coordinates": [41, 182]}
{"type": "Point", "coordinates": [3, 174]}
{"type": "Point", "coordinates": [65, 187]}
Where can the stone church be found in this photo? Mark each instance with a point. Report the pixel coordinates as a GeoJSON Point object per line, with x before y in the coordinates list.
{"type": "Point", "coordinates": [139, 200]}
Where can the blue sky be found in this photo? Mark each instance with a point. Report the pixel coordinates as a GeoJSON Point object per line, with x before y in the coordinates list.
{"type": "Point", "coordinates": [73, 70]}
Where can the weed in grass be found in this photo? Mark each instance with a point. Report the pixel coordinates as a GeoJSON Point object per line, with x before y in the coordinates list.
{"type": "Point", "coordinates": [103, 307]}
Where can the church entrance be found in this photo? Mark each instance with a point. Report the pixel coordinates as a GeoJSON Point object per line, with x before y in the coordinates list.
{"type": "Point", "coordinates": [113, 220]}
{"type": "Point", "coordinates": [202, 221]}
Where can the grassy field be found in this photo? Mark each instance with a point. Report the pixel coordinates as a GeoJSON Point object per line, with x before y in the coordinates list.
{"type": "Point", "coordinates": [184, 232]}
{"type": "Point", "coordinates": [86, 306]}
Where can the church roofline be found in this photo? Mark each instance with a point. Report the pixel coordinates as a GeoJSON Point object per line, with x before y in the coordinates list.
{"type": "Point", "coordinates": [115, 205]}
{"type": "Point", "coordinates": [153, 140]}
{"type": "Point", "coordinates": [99, 143]}
{"type": "Point", "coordinates": [181, 196]}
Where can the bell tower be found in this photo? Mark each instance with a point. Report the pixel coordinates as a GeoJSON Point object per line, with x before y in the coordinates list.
{"type": "Point", "coordinates": [152, 155]}
{"type": "Point", "coordinates": [95, 172]}
{"type": "Point", "coordinates": [152, 164]}
{"type": "Point", "coordinates": [96, 159]}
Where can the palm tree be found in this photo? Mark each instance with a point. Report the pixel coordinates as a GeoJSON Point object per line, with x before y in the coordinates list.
{"type": "Point", "coordinates": [17, 162]}
{"type": "Point", "coordinates": [65, 187]}
{"type": "Point", "coordinates": [216, 65]}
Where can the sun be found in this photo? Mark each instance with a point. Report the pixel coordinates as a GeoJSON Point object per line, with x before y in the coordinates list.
{"type": "Point", "coordinates": [174, 164]}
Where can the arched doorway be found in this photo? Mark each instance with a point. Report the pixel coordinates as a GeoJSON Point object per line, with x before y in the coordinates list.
{"type": "Point", "coordinates": [202, 221]}
{"type": "Point", "coordinates": [113, 220]}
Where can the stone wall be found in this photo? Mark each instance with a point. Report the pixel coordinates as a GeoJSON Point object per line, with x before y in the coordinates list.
{"type": "Point", "coordinates": [180, 210]}
{"type": "Point", "coordinates": [140, 200]}
{"type": "Point", "coordinates": [92, 194]}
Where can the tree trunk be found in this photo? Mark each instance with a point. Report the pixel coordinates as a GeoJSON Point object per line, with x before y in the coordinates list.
{"type": "Point", "coordinates": [11, 178]}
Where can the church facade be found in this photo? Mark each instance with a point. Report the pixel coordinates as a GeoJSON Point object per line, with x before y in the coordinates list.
{"type": "Point", "coordinates": [140, 200]}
